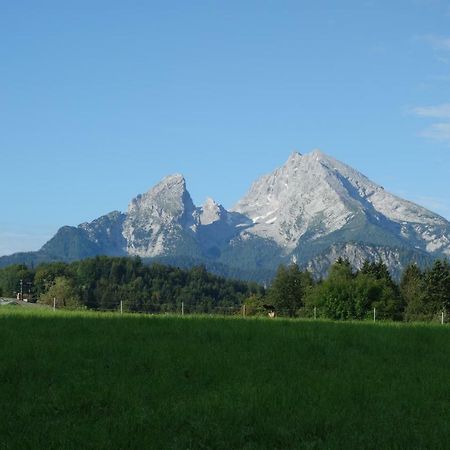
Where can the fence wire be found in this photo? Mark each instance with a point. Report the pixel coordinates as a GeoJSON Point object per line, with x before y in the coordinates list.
{"type": "Point", "coordinates": [184, 309]}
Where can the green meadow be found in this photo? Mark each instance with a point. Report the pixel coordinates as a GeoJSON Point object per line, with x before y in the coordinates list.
{"type": "Point", "coordinates": [80, 380]}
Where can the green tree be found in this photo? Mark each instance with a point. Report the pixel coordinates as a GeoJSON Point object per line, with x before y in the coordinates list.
{"type": "Point", "coordinates": [288, 289]}
{"type": "Point", "coordinates": [254, 305]}
{"type": "Point", "coordinates": [377, 270]}
{"type": "Point", "coordinates": [412, 291]}
{"type": "Point", "coordinates": [345, 295]}
{"type": "Point", "coordinates": [334, 295]}
{"type": "Point", "coordinates": [63, 291]}
{"type": "Point", "coordinates": [46, 274]}
{"type": "Point", "coordinates": [389, 304]}
{"type": "Point", "coordinates": [10, 277]}
{"type": "Point", "coordinates": [378, 293]}
{"type": "Point", "coordinates": [437, 288]}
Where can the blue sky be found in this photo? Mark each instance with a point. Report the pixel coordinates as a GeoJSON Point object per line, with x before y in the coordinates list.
{"type": "Point", "coordinates": [101, 99]}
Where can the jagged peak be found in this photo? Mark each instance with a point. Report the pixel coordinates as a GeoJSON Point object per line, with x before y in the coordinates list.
{"type": "Point", "coordinates": [168, 194]}
{"type": "Point", "coordinates": [174, 176]}
{"type": "Point", "coordinates": [318, 155]}
{"type": "Point", "coordinates": [172, 180]}
{"type": "Point", "coordinates": [211, 211]}
{"type": "Point", "coordinates": [320, 162]}
{"type": "Point", "coordinates": [174, 184]}
{"type": "Point", "coordinates": [317, 152]}
{"type": "Point", "coordinates": [294, 156]}
{"type": "Point", "coordinates": [211, 203]}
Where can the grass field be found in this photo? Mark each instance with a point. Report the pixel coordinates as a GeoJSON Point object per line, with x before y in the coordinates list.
{"type": "Point", "coordinates": [101, 381]}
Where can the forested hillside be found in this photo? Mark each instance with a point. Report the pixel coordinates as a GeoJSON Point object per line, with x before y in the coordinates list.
{"type": "Point", "coordinates": [345, 294]}
{"type": "Point", "coordinates": [103, 282]}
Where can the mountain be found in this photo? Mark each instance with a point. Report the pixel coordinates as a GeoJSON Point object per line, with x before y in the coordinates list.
{"type": "Point", "coordinates": [165, 222]}
{"type": "Point", "coordinates": [159, 221]}
{"type": "Point", "coordinates": [310, 211]}
{"type": "Point", "coordinates": [314, 204]}
{"type": "Point", "coordinates": [314, 196]}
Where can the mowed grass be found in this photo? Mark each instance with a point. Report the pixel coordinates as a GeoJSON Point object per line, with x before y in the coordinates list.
{"type": "Point", "coordinates": [101, 381]}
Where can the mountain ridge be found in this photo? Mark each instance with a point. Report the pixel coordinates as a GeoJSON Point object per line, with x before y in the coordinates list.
{"type": "Point", "coordinates": [306, 211]}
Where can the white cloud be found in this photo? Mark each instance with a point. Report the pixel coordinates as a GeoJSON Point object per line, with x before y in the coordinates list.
{"type": "Point", "coordinates": [438, 132]}
{"type": "Point", "coordinates": [437, 111]}
{"type": "Point", "coordinates": [437, 42]}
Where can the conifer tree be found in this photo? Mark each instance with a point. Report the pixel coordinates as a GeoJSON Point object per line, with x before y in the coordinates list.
{"type": "Point", "coordinates": [437, 287]}
{"type": "Point", "coordinates": [412, 289]}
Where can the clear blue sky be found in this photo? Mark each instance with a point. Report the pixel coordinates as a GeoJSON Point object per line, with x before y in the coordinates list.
{"type": "Point", "coordinates": [101, 99]}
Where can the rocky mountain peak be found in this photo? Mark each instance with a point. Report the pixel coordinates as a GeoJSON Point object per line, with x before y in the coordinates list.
{"type": "Point", "coordinates": [313, 195]}
{"type": "Point", "coordinates": [211, 212]}
{"type": "Point", "coordinates": [301, 194]}
{"type": "Point", "coordinates": [169, 199]}
{"type": "Point", "coordinates": [318, 153]}
{"type": "Point", "coordinates": [155, 217]}
{"type": "Point", "coordinates": [174, 181]}
{"type": "Point", "coordinates": [294, 158]}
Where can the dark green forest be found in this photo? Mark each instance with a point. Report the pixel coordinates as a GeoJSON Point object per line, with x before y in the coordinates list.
{"type": "Point", "coordinates": [104, 283]}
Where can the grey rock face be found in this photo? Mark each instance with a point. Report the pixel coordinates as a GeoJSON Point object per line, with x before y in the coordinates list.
{"type": "Point", "coordinates": [164, 221]}
{"type": "Point", "coordinates": [211, 212]}
{"type": "Point", "coordinates": [357, 253]}
{"type": "Point", "coordinates": [158, 218]}
{"type": "Point", "coordinates": [106, 232]}
{"type": "Point", "coordinates": [301, 195]}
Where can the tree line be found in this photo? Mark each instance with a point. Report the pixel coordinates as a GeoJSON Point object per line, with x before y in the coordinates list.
{"type": "Point", "coordinates": [344, 294]}
{"type": "Point", "coordinates": [104, 282]}
{"type": "Point", "coordinates": [348, 294]}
